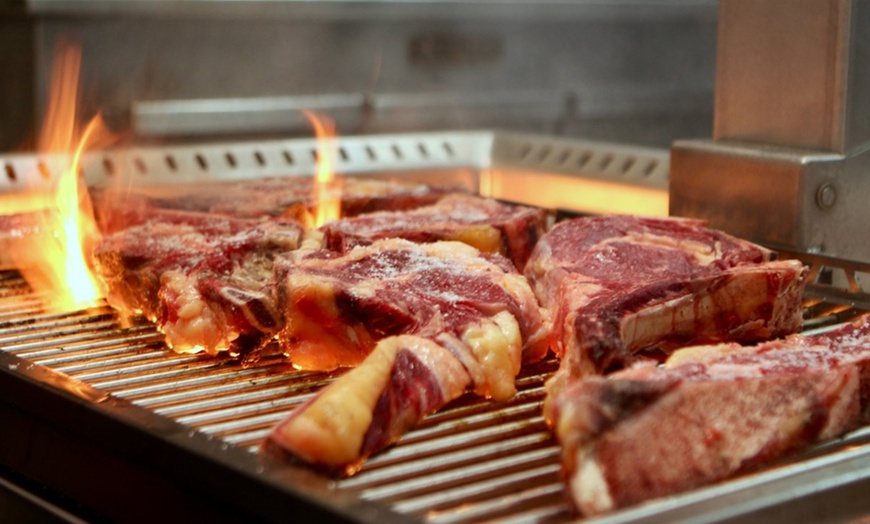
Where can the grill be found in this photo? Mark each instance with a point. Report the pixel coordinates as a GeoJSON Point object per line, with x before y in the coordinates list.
{"type": "Point", "coordinates": [100, 410]}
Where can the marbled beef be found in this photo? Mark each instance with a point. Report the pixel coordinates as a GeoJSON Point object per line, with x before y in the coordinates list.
{"type": "Point", "coordinates": [621, 286]}
{"type": "Point", "coordinates": [709, 413]}
{"type": "Point", "coordinates": [424, 323]}
{"type": "Point", "coordinates": [486, 224]}
{"type": "Point", "coordinates": [204, 279]}
{"type": "Point", "coordinates": [282, 197]}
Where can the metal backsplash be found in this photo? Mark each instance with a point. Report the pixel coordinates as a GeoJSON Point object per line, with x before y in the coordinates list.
{"type": "Point", "coordinates": [628, 71]}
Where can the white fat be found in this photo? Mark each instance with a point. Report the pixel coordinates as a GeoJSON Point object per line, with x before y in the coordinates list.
{"type": "Point", "coordinates": [844, 406]}
{"type": "Point", "coordinates": [312, 241]}
{"type": "Point", "coordinates": [703, 354]}
{"type": "Point", "coordinates": [579, 293]}
{"type": "Point", "coordinates": [191, 309]}
{"type": "Point", "coordinates": [497, 347]}
{"type": "Point", "coordinates": [198, 328]}
{"type": "Point", "coordinates": [518, 287]}
{"type": "Point", "coordinates": [332, 428]}
{"type": "Point", "coordinates": [702, 252]}
{"type": "Point", "coordinates": [365, 288]}
{"type": "Point", "coordinates": [589, 488]}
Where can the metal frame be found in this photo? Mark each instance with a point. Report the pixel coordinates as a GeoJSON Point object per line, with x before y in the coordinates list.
{"type": "Point", "coordinates": [379, 9]}
{"type": "Point", "coordinates": [140, 466]}
{"type": "Point", "coordinates": [481, 161]}
{"type": "Point", "coordinates": [789, 161]}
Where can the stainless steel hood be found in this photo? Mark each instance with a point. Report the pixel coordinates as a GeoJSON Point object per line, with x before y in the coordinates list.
{"type": "Point", "coordinates": [630, 71]}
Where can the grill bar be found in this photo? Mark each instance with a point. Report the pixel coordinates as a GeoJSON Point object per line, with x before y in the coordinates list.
{"type": "Point", "coordinates": [474, 460]}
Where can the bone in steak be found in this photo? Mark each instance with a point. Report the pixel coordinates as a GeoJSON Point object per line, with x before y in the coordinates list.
{"type": "Point", "coordinates": [618, 286]}
{"type": "Point", "coordinates": [486, 224]}
{"type": "Point", "coordinates": [204, 279]}
{"type": "Point", "coordinates": [285, 197]}
{"type": "Point", "coordinates": [708, 414]}
{"type": "Point", "coordinates": [425, 322]}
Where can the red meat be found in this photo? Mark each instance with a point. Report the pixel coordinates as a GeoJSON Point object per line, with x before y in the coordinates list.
{"type": "Point", "coordinates": [424, 323]}
{"type": "Point", "coordinates": [483, 223]}
{"type": "Point", "coordinates": [619, 288]}
{"type": "Point", "coordinates": [204, 279]}
{"type": "Point", "coordinates": [711, 412]}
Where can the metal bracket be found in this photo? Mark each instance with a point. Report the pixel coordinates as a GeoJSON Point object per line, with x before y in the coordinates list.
{"type": "Point", "coordinates": [791, 199]}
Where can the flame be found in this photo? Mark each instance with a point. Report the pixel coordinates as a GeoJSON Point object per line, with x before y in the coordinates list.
{"type": "Point", "coordinates": [54, 261]}
{"type": "Point", "coordinates": [327, 188]}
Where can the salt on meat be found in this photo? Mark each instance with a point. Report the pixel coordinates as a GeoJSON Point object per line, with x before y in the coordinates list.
{"type": "Point", "coordinates": [621, 288]}
{"type": "Point", "coordinates": [709, 413]}
{"type": "Point", "coordinates": [422, 323]}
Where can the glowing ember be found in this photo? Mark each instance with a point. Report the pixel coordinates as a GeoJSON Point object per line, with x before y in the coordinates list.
{"type": "Point", "coordinates": [53, 261]}
{"type": "Point", "coordinates": [327, 188]}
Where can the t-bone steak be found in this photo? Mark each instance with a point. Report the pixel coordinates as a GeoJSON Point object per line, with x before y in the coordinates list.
{"type": "Point", "coordinates": [486, 224]}
{"type": "Point", "coordinates": [204, 279]}
{"type": "Point", "coordinates": [424, 323]}
{"type": "Point", "coordinates": [709, 413]}
{"type": "Point", "coordinates": [282, 197]}
{"type": "Point", "coordinates": [621, 287]}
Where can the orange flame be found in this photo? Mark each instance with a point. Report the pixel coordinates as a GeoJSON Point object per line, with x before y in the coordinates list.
{"type": "Point", "coordinates": [327, 188]}
{"type": "Point", "coordinates": [54, 261]}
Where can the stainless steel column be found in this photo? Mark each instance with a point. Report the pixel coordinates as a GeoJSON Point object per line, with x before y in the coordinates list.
{"type": "Point", "coordinates": [787, 165]}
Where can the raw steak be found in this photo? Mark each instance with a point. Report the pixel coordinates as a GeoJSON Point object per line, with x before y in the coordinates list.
{"type": "Point", "coordinates": [486, 224]}
{"type": "Point", "coordinates": [620, 286]}
{"type": "Point", "coordinates": [708, 414]}
{"type": "Point", "coordinates": [424, 322]}
{"type": "Point", "coordinates": [204, 279]}
{"type": "Point", "coordinates": [286, 197]}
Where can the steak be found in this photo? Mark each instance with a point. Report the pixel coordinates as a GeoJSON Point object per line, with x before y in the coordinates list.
{"type": "Point", "coordinates": [204, 279]}
{"type": "Point", "coordinates": [281, 197]}
{"type": "Point", "coordinates": [424, 323]}
{"type": "Point", "coordinates": [710, 413]}
{"type": "Point", "coordinates": [486, 224]}
{"type": "Point", "coordinates": [619, 288]}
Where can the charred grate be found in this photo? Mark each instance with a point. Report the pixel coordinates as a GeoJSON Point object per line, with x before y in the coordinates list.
{"type": "Point", "coordinates": [474, 460]}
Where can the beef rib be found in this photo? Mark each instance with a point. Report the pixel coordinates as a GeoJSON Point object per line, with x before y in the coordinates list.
{"type": "Point", "coordinates": [423, 323]}
{"type": "Point", "coordinates": [486, 224]}
{"type": "Point", "coordinates": [204, 279]}
{"type": "Point", "coordinates": [619, 288]}
{"type": "Point", "coordinates": [709, 413]}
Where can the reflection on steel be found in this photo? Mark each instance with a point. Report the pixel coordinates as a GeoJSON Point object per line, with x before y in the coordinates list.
{"type": "Point", "coordinates": [790, 157]}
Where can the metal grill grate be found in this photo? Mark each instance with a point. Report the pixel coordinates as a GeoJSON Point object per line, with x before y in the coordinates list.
{"type": "Point", "coordinates": [475, 460]}
{"type": "Point", "coordinates": [472, 461]}
{"type": "Point", "coordinates": [473, 450]}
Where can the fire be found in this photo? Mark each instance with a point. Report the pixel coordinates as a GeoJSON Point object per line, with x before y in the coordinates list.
{"type": "Point", "coordinates": [327, 188]}
{"type": "Point", "coordinates": [54, 261]}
